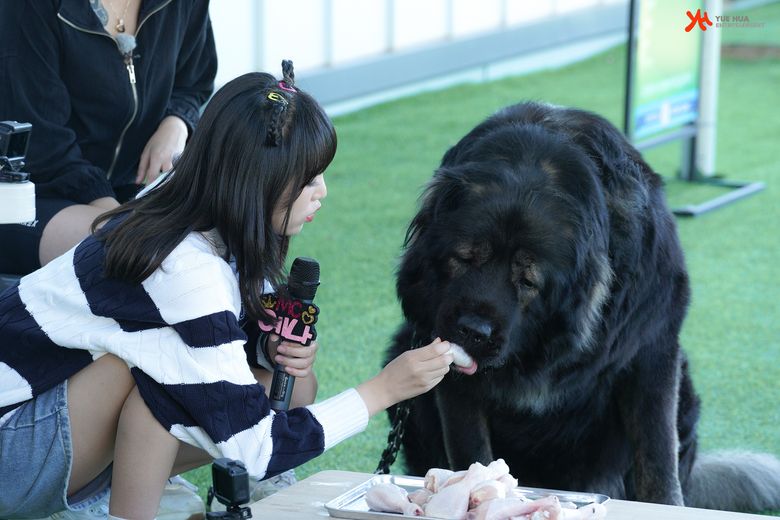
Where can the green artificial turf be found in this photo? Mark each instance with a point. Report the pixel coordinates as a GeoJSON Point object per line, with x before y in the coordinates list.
{"type": "Point", "coordinates": [388, 152]}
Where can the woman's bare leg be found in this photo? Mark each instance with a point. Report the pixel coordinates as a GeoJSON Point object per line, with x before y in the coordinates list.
{"type": "Point", "coordinates": [69, 227]}
{"type": "Point", "coordinates": [96, 395]}
{"type": "Point", "coordinates": [145, 456]}
{"type": "Point", "coordinates": [110, 422]}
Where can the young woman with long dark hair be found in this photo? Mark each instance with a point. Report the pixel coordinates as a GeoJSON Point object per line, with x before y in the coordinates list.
{"type": "Point", "coordinates": [128, 357]}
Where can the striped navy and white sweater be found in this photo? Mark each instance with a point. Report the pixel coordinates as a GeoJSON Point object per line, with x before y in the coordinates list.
{"type": "Point", "coordinates": [179, 333]}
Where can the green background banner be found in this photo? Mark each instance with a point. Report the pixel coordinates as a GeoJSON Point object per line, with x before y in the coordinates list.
{"type": "Point", "coordinates": [666, 75]}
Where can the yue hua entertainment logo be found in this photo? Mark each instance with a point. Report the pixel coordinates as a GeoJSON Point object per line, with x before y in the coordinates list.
{"type": "Point", "coordinates": [721, 22]}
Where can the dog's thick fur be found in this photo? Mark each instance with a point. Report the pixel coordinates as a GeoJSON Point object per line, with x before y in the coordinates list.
{"type": "Point", "coordinates": [544, 247]}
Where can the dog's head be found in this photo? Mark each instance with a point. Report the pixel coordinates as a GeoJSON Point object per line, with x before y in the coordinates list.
{"type": "Point", "coordinates": [507, 255]}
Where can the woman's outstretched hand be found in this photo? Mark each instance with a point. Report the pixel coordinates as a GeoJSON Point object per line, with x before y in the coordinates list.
{"type": "Point", "coordinates": [410, 374]}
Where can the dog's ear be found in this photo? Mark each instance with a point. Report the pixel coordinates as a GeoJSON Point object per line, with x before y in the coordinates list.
{"type": "Point", "coordinates": [443, 193]}
{"type": "Point", "coordinates": [414, 287]}
{"type": "Point", "coordinates": [447, 190]}
{"type": "Point", "coordinates": [412, 280]}
{"type": "Point", "coordinates": [592, 299]}
{"type": "Point", "coordinates": [417, 273]}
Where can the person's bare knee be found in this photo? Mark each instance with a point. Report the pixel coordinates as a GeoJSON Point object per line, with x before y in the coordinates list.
{"type": "Point", "coordinates": [96, 395]}
{"type": "Point", "coordinates": [66, 229]}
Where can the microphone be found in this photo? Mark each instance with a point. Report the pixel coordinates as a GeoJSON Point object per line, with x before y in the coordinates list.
{"type": "Point", "coordinates": [301, 287]}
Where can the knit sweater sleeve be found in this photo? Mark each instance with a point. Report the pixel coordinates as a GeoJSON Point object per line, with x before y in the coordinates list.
{"type": "Point", "coordinates": [199, 385]}
{"type": "Point", "coordinates": [235, 421]}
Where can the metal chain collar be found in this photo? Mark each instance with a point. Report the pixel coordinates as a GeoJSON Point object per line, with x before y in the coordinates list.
{"type": "Point", "coordinates": [396, 435]}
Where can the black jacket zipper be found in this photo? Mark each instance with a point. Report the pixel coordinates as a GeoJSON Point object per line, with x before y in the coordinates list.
{"type": "Point", "coordinates": [128, 58]}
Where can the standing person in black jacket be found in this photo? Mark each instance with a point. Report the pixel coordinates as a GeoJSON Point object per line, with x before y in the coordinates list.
{"type": "Point", "coordinates": [112, 88]}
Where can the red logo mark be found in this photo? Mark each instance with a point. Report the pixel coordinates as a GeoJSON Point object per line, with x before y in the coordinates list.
{"type": "Point", "coordinates": [698, 18]}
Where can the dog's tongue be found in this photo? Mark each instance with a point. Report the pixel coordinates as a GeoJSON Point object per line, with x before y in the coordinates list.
{"type": "Point", "coordinates": [463, 362]}
{"type": "Point", "coordinates": [469, 370]}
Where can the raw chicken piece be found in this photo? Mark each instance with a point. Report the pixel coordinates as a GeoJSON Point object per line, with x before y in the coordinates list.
{"type": "Point", "coordinates": [420, 496]}
{"type": "Point", "coordinates": [454, 479]}
{"type": "Point", "coordinates": [452, 501]}
{"type": "Point", "coordinates": [497, 469]}
{"type": "Point", "coordinates": [547, 508]}
{"type": "Point", "coordinates": [435, 477]}
{"type": "Point", "coordinates": [462, 361]}
{"type": "Point", "coordinates": [491, 493]}
{"type": "Point", "coordinates": [389, 498]}
{"type": "Point", "coordinates": [488, 490]}
{"type": "Point", "coordinates": [460, 357]}
{"type": "Point", "coordinates": [508, 481]}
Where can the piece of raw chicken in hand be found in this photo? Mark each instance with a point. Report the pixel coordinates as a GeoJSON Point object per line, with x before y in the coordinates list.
{"type": "Point", "coordinates": [390, 498]}
{"type": "Point", "coordinates": [462, 361]}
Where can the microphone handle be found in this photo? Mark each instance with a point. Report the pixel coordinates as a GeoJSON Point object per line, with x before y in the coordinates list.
{"type": "Point", "coordinates": [282, 386]}
{"type": "Point", "coordinates": [302, 285]}
{"type": "Point", "coordinates": [281, 390]}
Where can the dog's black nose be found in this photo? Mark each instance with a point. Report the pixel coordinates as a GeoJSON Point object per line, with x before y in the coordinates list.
{"type": "Point", "coordinates": [474, 328]}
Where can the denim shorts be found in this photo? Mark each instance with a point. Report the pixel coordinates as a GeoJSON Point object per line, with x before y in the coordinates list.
{"type": "Point", "coordinates": [36, 456]}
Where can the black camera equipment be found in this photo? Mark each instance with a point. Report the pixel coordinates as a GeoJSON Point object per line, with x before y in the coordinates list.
{"type": "Point", "coordinates": [14, 140]}
{"type": "Point", "coordinates": [17, 193]}
{"type": "Point", "coordinates": [231, 489]}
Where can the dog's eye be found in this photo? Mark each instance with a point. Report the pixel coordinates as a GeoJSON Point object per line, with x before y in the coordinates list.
{"type": "Point", "coordinates": [463, 253]}
{"type": "Point", "coordinates": [457, 266]}
{"type": "Point", "coordinates": [521, 271]}
{"type": "Point", "coordinates": [525, 273]}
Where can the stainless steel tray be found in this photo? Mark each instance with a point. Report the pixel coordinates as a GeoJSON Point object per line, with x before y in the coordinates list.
{"type": "Point", "coordinates": [352, 504]}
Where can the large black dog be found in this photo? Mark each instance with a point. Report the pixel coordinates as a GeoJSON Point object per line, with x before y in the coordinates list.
{"type": "Point", "coordinates": [544, 247]}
